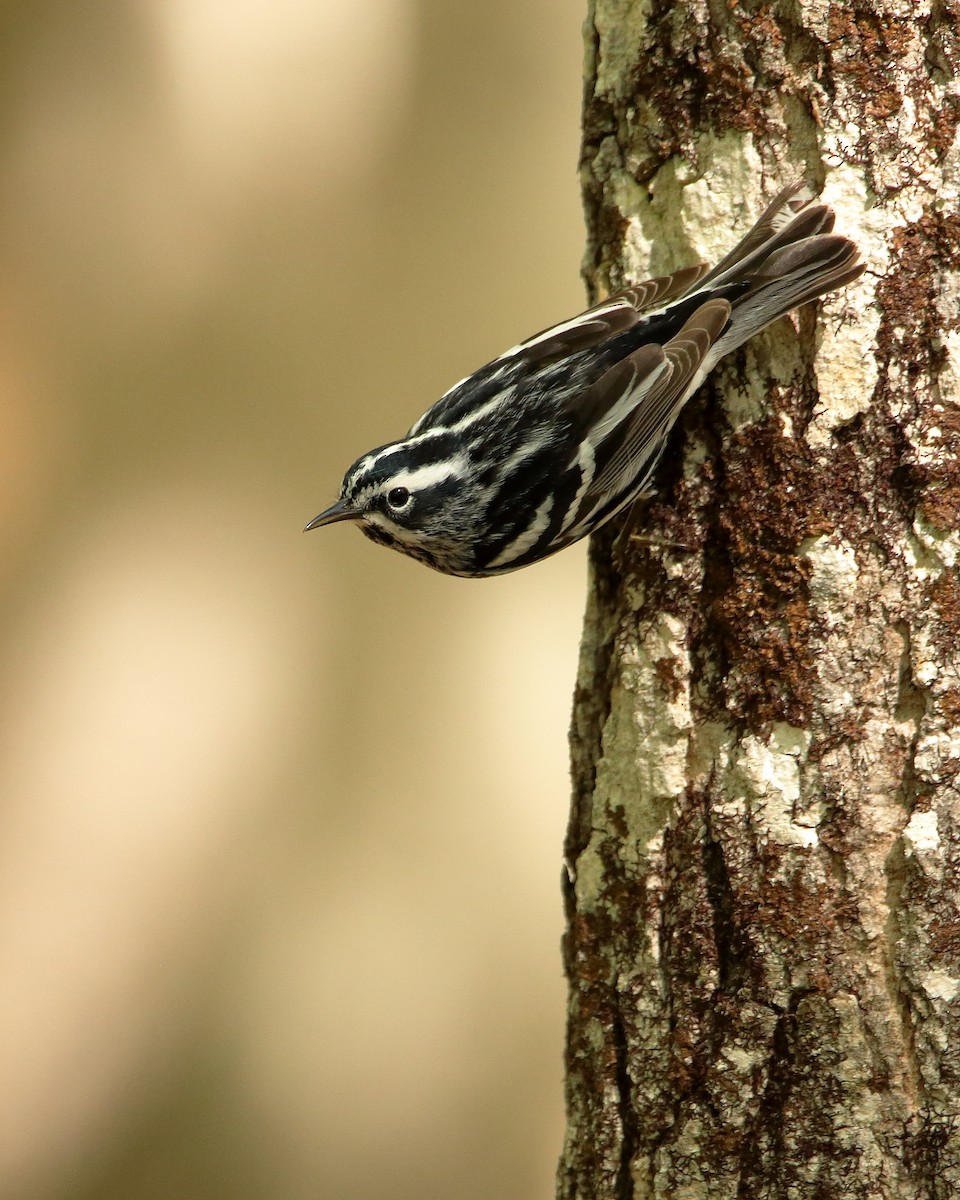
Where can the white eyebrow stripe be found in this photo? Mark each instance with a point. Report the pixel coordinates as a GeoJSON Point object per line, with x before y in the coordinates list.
{"type": "Point", "coordinates": [415, 477]}
{"type": "Point", "coordinates": [522, 543]}
{"type": "Point", "coordinates": [418, 478]}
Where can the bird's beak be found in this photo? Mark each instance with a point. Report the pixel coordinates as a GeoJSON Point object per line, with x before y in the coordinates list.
{"type": "Point", "coordinates": [336, 512]}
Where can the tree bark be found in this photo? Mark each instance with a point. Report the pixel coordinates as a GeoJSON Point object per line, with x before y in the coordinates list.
{"type": "Point", "coordinates": [763, 945]}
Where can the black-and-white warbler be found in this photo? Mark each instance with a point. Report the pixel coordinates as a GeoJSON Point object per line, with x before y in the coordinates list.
{"type": "Point", "coordinates": [543, 445]}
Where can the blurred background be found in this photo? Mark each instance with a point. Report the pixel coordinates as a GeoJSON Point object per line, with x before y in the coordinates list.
{"type": "Point", "coordinates": [280, 815]}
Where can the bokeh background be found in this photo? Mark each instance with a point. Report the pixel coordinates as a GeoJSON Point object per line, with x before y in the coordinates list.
{"type": "Point", "coordinates": [280, 815]}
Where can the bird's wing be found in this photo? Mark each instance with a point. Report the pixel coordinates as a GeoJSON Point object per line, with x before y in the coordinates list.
{"type": "Point", "coordinates": [631, 408]}
{"type": "Point", "coordinates": [611, 316]}
{"type": "Point", "coordinates": [653, 293]}
{"type": "Point", "coordinates": [551, 347]}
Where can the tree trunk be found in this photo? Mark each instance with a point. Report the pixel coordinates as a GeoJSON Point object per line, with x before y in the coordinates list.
{"type": "Point", "coordinates": [764, 848]}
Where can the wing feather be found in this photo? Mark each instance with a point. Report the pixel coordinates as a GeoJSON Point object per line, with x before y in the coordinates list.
{"type": "Point", "coordinates": [652, 293]}
{"type": "Point", "coordinates": [652, 401]}
{"type": "Point", "coordinates": [614, 315]}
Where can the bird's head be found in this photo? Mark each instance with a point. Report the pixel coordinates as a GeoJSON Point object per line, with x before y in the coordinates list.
{"type": "Point", "coordinates": [415, 496]}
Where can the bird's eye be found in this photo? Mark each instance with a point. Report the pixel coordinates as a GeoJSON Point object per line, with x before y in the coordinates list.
{"type": "Point", "coordinates": [398, 498]}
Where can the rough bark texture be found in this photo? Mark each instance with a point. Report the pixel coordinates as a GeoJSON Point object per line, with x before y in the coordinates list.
{"type": "Point", "coordinates": [764, 848]}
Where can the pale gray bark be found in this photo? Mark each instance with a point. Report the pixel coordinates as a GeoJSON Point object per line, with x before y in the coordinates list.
{"type": "Point", "coordinates": [764, 847]}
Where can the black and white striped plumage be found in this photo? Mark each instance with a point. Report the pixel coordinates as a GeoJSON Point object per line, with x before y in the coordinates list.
{"type": "Point", "coordinates": [547, 442]}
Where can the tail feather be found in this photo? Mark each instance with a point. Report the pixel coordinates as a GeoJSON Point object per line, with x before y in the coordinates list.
{"type": "Point", "coordinates": [789, 258]}
{"type": "Point", "coordinates": [792, 214]}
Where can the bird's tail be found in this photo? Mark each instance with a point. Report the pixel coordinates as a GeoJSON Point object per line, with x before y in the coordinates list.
{"type": "Point", "coordinates": [790, 256]}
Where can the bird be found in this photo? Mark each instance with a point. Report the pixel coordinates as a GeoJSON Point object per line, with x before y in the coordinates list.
{"type": "Point", "coordinates": [559, 434]}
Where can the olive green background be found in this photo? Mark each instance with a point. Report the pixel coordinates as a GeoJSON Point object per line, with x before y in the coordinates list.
{"type": "Point", "coordinates": [280, 814]}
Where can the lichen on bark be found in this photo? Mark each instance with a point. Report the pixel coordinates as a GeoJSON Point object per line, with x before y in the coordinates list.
{"type": "Point", "coordinates": [764, 847]}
